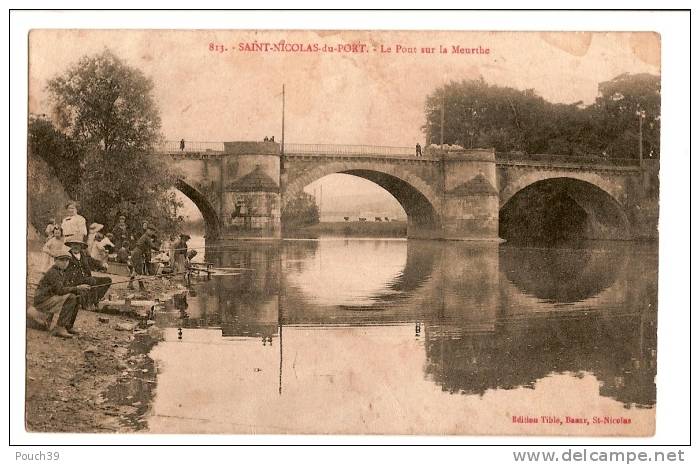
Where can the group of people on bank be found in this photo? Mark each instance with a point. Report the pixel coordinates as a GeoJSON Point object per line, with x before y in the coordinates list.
{"type": "Point", "coordinates": [72, 253]}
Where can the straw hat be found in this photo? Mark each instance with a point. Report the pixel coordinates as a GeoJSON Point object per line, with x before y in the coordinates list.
{"type": "Point", "coordinates": [64, 253]}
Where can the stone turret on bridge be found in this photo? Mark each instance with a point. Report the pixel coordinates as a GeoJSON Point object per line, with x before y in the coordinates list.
{"type": "Point", "coordinates": [241, 188]}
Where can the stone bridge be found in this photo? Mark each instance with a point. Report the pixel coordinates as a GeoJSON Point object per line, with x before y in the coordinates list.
{"type": "Point", "coordinates": [242, 187]}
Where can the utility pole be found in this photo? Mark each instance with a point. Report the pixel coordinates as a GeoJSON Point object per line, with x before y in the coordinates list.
{"type": "Point", "coordinates": [642, 114]}
{"type": "Point", "coordinates": [280, 330]}
{"type": "Point", "coordinates": [442, 119]}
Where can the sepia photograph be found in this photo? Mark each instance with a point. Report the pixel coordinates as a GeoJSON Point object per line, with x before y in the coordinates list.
{"type": "Point", "coordinates": [342, 232]}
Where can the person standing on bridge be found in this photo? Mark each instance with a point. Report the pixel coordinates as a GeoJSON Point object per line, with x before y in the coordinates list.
{"type": "Point", "coordinates": [182, 145]}
{"type": "Point", "coordinates": [419, 153]}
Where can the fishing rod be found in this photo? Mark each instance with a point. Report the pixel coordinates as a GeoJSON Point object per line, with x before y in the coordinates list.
{"type": "Point", "coordinates": [143, 278]}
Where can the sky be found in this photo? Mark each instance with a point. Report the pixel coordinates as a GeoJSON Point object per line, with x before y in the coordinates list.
{"type": "Point", "coordinates": [368, 97]}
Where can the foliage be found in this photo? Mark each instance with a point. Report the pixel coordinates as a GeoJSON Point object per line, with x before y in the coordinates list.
{"type": "Point", "coordinates": [617, 107]}
{"type": "Point", "coordinates": [101, 150]}
{"type": "Point", "coordinates": [101, 101]}
{"type": "Point", "coordinates": [477, 114]}
{"type": "Point", "coordinates": [56, 149]}
{"type": "Point", "coordinates": [137, 187]}
{"type": "Point", "coordinates": [47, 197]}
{"type": "Point", "coordinates": [300, 211]}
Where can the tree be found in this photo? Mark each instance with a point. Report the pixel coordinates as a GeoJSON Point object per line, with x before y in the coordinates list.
{"type": "Point", "coordinates": [58, 150]}
{"type": "Point", "coordinates": [300, 211]}
{"type": "Point", "coordinates": [477, 114]}
{"type": "Point", "coordinates": [101, 101]}
{"type": "Point", "coordinates": [106, 112]}
{"type": "Point", "coordinates": [617, 107]}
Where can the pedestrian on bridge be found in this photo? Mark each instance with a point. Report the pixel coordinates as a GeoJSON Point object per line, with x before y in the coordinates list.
{"type": "Point", "coordinates": [419, 153]}
{"type": "Point", "coordinates": [182, 145]}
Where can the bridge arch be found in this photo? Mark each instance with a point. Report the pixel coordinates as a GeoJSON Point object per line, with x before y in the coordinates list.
{"type": "Point", "coordinates": [528, 177]}
{"type": "Point", "coordinates": [211, 218]}
{"type": "Point", "coordinates": [418, 199]}
{"type": "Point", "coordinates": [561, 208]}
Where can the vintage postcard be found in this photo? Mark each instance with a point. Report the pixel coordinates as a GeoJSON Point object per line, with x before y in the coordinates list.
{"type": "Point", "coordinates": [342, 232]}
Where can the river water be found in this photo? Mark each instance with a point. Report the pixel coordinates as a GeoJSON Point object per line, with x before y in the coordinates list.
{"type": "Point", "coordinates": [391, 336]}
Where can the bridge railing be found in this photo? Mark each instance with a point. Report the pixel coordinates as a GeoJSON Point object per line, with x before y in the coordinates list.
{"type": "Point", "coordinates": [170, 146]}
{"type": "Point", "coordinates": [547, 158]}
{"type": "Point", "coordinates": [174, 146]}
{"type": "Point", "coordinates": [333, 149]}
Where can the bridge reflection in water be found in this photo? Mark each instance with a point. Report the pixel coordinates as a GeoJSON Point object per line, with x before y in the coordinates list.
{"type": "Point", "coordinates": [486, 317]}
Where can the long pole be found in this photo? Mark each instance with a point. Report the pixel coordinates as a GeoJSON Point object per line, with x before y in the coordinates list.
{"type": "Point", "coordinates": [641, 147]}
{"type": "Point", "coordinates": [282, 120]}
{"type": "Point", "coordinates": [442, 119]}
{"type": "Point", "coordinates": [280, 380]}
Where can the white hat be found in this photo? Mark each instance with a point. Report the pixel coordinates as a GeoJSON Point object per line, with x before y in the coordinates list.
{"type": "Point", "coordinates": [95, 227]}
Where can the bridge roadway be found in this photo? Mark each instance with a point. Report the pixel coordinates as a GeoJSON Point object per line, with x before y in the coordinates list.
{"type": "Point", "coordinates": [449, 193]}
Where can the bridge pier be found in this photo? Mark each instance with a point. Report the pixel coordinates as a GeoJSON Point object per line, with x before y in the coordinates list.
{"type": "Point", "coordinates": [470, 199]}
{"type": "Point", "coordinates": [251, 204]}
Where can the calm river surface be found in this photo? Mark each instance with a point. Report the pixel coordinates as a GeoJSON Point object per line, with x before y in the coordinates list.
{"type": "Point", "coordinates": [362, 336]}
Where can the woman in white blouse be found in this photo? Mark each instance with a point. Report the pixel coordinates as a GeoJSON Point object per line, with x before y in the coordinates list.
{"type": "Point", "coordinates": [73, 226]}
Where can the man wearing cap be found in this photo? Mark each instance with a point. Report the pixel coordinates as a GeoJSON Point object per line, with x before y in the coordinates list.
{"type": "Point", "coordinates": [79, 271]}
{"type": "Point", "coordinates": [141, 255]}
{"type": "Point", "coordinates": [55, 295]}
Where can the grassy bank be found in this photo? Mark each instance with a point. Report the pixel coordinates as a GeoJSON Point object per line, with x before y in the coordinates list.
{"type": "Point", "coordinates": [351, 229]}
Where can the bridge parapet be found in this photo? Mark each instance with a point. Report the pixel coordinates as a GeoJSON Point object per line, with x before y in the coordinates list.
{"type": "Point", "coordinates": [341, 149]}
{"type": "Point", "coordinates": [542, 158]}
{"type": "Point", "coordinates": [199, 149]}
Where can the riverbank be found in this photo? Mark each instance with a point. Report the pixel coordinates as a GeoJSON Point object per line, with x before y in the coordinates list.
{"type": "Point", "coordinates": [351, 229]}
{"type": "Point", "coordinates": [100, 381]}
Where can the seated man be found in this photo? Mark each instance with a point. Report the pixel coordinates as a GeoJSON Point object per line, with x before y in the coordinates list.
{"type": "Point", "coordinates": [79, 271]}
{"type": "Point", "coordinates": [53, 295]}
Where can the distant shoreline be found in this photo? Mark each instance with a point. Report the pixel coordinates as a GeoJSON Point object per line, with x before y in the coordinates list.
{"type": "Point", "coordinates": [350, 229]}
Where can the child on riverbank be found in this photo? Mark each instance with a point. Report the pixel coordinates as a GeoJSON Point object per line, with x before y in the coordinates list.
{"type": "Point", "coordinates": [53, 246]}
